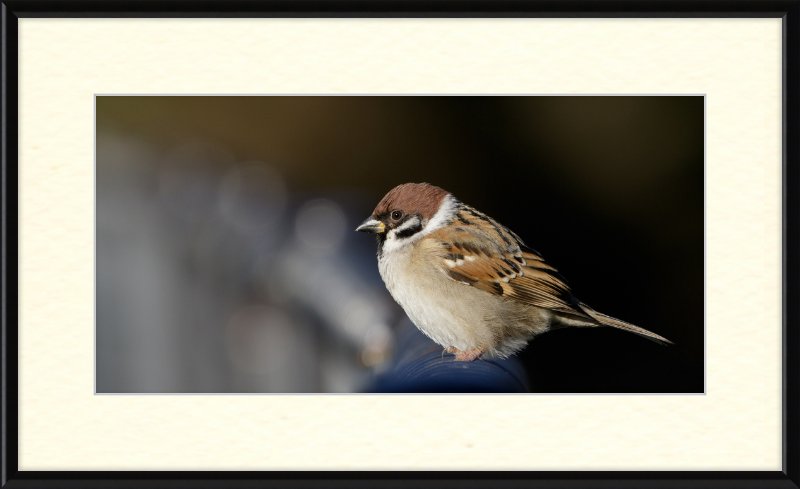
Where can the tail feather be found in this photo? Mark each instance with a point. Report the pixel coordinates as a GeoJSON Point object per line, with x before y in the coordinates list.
{"type": "Point", "coordinates": [616, 323]}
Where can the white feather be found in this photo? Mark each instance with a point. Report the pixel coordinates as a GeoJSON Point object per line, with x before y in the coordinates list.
{"type": "Point", "coordinates": [439, 220]}
{"type": "Point", "coordinates": [447, 210]}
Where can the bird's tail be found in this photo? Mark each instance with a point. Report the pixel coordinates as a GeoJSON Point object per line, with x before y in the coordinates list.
{"type": "Point", "coordinates": [616, 323]}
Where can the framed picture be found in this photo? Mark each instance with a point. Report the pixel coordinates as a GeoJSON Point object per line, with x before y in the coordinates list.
{"type": "Point", "coordinates": [188, 300]}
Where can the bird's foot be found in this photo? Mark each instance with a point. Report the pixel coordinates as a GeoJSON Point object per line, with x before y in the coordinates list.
{"type": "Point", "coordinates": [465, 356]}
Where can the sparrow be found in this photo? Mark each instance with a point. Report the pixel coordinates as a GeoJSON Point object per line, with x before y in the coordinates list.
{"type": "Point", "coordinates": [468, 282]}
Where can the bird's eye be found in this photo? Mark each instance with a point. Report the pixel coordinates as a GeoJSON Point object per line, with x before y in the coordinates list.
{"type": "Point", "coordinates": [397, 215]}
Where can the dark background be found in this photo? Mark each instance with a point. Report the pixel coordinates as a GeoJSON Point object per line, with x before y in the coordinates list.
{"type": "Point", "coordinates": [192, 291]}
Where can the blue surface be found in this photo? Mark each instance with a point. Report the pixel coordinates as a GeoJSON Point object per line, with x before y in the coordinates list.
{"type": "Point", "coordinates": [420, 367]}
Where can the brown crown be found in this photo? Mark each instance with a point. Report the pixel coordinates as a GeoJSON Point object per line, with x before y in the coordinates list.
{"type": "Point", "coordinates": [412, 197]}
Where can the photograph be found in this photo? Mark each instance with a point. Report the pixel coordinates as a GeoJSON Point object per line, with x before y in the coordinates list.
{"type": "Point", "coordinates": [408, 244]}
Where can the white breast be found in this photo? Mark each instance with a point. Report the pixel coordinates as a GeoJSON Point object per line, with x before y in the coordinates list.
{"type": "Point", "coordinates": [448, 312]}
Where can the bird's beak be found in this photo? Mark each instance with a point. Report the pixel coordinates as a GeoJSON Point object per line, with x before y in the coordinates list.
{"type": "Point", "coordinates": [371, 226]}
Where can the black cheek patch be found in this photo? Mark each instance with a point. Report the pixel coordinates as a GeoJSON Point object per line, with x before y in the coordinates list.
{"type": "Point", "coordinates": [405, 233]}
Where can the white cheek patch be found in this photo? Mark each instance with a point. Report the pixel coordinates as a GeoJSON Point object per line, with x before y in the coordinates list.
{"type": "Point", "coordinates": [443, 216]}
{"type": "Point", "coordinates": [393, 242]}
{"type": "Point", "coordinates": [414, 221]}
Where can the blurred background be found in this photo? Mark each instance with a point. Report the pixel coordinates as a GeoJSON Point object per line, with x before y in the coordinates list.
{"type": "Point", "coordinates": [227, 260]}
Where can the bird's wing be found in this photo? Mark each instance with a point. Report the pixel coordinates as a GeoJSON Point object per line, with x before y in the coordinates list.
{"type": "Point", "coordinates": [492, 258]}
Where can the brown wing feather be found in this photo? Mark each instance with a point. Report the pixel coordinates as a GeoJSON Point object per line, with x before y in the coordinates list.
{"type": "Point", "coordinates": [491, 258]}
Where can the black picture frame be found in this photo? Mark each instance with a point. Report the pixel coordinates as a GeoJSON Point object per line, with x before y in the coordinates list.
{"type": "Point", "coordinates": [787, 10]}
